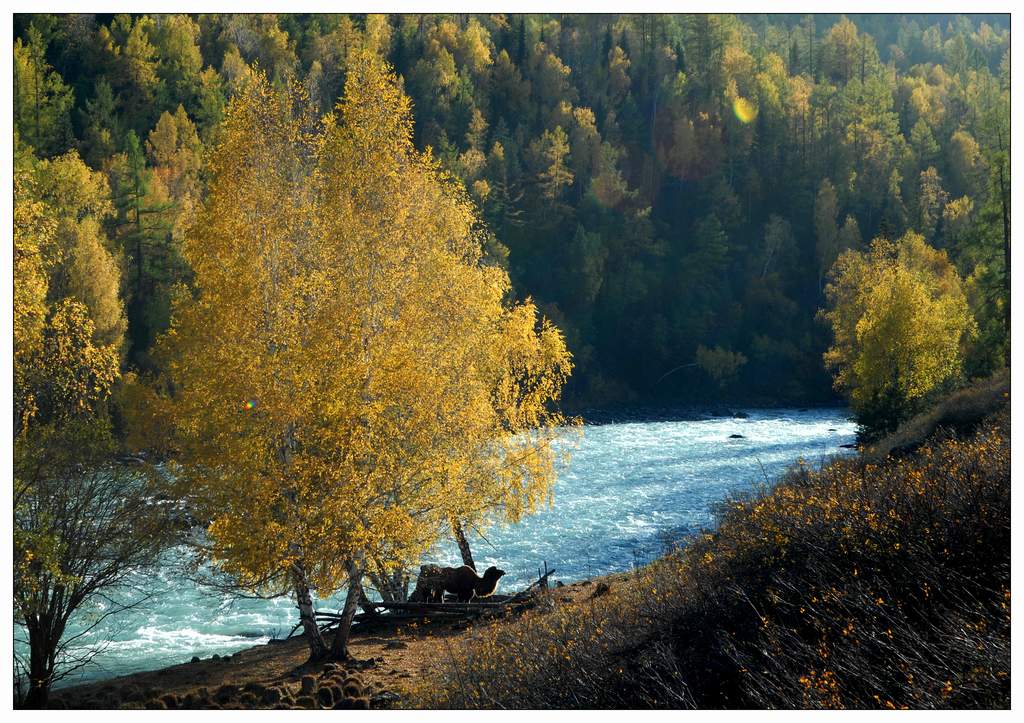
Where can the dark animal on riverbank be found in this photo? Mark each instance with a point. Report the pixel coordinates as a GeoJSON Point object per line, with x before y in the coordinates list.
{"type": "Point", "coordinates": [466, 584]}
{"type": "Point", "coordinates": [435, 581]}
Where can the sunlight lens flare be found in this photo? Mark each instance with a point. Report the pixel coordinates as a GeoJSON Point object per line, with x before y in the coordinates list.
{"type": "Point", "coordinates": [249, 405]}
{"type": "Point", "coordinates": [744, 110]}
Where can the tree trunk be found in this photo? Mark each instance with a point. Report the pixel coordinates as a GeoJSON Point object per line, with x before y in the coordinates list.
{"type": "Point", "coordinates": [1006, 254]}
{"type": "Point", "coordinates": [397, 584]}
{"type": "Point", "coordinates": [460, 537]}
{"type": "Point", "coordinates": [37, 696]}
{"type": "Point", "coordinates": [393, 586]}
{"type": "Point", "coordinates": [339, 647]}
{"type": "Point", "coordinates": [307, 615]}
{"type": "Point", "coordinates": [367, 606]}
{"type": "Point", "coordinates": [40, 669]}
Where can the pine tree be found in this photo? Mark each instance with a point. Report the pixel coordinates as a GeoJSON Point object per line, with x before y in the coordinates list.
{"type": "Point", "coordinates": [102, 125]}
{"type": "Point", "coordinates": [144, 233]}
{"type": "Point", "coordinates": [42, 102]}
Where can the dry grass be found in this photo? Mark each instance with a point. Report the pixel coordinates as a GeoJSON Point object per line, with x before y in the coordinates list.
{"type": "Point", "coordinates": [960, 411]}
{"type": "Point", "coordinates": [863, 585]}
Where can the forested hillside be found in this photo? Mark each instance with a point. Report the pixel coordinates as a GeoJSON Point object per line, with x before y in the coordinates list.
{"type": "Point", "coordinates": [672, 191]}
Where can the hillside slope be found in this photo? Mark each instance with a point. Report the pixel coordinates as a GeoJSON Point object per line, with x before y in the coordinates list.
{"type": "Point", "coordinates": [867, 584]}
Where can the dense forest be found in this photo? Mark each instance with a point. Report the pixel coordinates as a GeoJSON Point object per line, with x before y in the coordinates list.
{"type": "Point", "coordinates": [304, 295]}
{"type": "Point", "coordinates": [671, 191]}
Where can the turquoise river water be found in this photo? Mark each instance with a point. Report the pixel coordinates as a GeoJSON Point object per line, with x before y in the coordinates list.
{"type": "Point", "coordinates": [629, 489]}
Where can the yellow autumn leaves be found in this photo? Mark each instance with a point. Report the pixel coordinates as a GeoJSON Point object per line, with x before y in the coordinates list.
{"type": "Point", "coordinates": [899, 318]}
{"type": "Point", "coordinates": [349, 374]}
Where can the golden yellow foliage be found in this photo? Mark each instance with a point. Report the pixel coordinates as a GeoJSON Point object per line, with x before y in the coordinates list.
{"type": "Point", "coordinates": [68, 318]}
{"type": "Point", "coordinates": [32, 233]}
{"type": "Point", "coordinates": [899, 316]}
{"type": "Point", "coordinates": [349, 375]}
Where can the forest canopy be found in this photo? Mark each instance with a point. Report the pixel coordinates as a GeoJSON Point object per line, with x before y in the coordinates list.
{"type": "Point", "coordinates": [662, 186]}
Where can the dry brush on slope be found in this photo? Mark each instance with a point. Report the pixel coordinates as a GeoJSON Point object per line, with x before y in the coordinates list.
{"type": "Point", "coordinates": [862, 585]}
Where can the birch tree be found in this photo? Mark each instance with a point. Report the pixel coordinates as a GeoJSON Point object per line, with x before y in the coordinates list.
{"type": "Point", "coordinates": [899, 319]}
{"type": "Point", "coordinates": [348, 375]}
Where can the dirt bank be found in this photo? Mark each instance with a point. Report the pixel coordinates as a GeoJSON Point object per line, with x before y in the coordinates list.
{"type": "Point", "coordinates": [388, 663]}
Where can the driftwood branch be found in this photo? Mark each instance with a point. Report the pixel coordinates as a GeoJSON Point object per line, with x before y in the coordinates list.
{"type": "Point", "coordinates": [541, 581]}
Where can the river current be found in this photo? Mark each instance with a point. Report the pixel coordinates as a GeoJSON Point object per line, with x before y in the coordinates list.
{"type": "Point", "coordinates": [629, 490]}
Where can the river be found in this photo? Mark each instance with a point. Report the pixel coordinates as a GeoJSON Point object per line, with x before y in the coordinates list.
{"type": "Point", "coordinates": [629, 490]}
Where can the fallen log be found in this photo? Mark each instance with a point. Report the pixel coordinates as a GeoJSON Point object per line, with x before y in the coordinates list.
{"type": "Point", "coordinates": [453, 606]}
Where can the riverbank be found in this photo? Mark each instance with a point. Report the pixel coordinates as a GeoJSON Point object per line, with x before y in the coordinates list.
{"type": "Point", "coordinates": [389, 668]}
{"type": "Point", "coordinates": [861, 585]}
